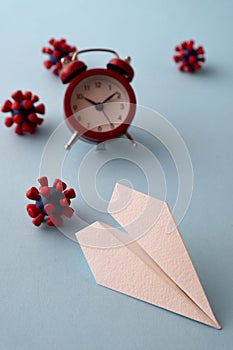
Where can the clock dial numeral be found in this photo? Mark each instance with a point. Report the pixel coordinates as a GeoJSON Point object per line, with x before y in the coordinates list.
{"type": "Point", "coordinates": [88, 125]}
{"type": "Point", "coordinates": [112, 126]}
{"type": "Point", "coordinates": [110, 87]}
{"type": "Point", "coordinates": [86, 87]}
{"type": "Point", "coordinates": [79, 118]}
{"type": "Point", "coordinates": [118, 95]}
{"type": "Point", "coordinates": [122, 106]}
{"type": "Point", "coordinates": [75, 107]}
{"type": "Point", "coordinates": [98, 84]}
{"type": "Point", "coordinates": [99, 128]}
{"type": "Point", "coordinates": [79, 96]}
{"type": "Point", "coordinates": [120, 117]}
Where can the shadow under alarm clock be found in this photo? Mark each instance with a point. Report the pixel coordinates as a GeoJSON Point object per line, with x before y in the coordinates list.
{"type": "Point", "coordinates": [99, 103]}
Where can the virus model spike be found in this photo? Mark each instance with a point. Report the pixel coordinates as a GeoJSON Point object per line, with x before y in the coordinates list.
{"type": "Point", "coordinates": [51, 202]}
{"type": "Point", "coordinates": [188, 57]}
{"type": "Point", "coordinates": [23, 112]}
{"type": "Point", "coordinates": [58, 50]}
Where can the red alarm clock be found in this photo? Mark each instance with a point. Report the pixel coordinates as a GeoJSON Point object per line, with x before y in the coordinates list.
{"type": "Point", "coordinates": [99, 103]}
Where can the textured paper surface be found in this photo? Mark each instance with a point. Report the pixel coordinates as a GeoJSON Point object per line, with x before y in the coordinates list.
{"type": "Point", "coordinates": [156, 267]}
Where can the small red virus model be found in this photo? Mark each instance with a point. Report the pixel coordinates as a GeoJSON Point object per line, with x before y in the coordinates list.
{"type": "Point", "coordinates": [59, 50]}
{"type": "Point", "coordinates": [24, 112]}
{"type": "Point", "coordinates": [188, 56]}
{"type": "Point", "coordinates": [52, 202]}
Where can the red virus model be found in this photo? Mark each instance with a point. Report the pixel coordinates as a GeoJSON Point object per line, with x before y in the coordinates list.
{"type": "Point", "coordinates": [188, 57]}
{"type": "Point", "coordinates": [23, 112]}
{"type": "Point", "coordinates": [51, 202]}
{"type": "Point", "coordinates": [58, 50]}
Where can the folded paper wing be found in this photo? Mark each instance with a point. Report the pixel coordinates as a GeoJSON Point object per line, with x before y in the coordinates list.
{"type": "Point", "coordinates": [147, 262]}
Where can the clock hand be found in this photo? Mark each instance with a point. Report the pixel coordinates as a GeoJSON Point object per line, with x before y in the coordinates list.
{"type": "Point", "coordinates": [92, 102]}
{"type": "Point", "coordinates": [109, 97]}
{"type": "Point", "coordinates": [107, 117]}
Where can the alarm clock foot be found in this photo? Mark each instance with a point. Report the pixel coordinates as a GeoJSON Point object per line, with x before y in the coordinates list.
{"type": "Point", "coordinates": [129, 137]}
{"type": "Point", "coordinates": [72, 140]}
{"type": "Point", "coordinates": [101, 147]}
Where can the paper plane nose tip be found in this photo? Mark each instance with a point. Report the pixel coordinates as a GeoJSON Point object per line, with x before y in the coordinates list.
{"type": "Point", "coordinates": [216, 325]}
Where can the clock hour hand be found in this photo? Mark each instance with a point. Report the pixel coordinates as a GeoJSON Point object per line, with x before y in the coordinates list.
{"type": "Point", "coordinates": [92, 102]}
{"type": "Point", "coordinates": [109, 97]}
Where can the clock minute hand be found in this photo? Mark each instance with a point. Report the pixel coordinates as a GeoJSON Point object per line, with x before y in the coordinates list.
{"type": "Point", "coordinates": [92, 102]}
{"type": "Point", "coordinates": [109, 97]}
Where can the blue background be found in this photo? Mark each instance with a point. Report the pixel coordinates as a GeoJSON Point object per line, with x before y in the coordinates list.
{"type": "Point", "coordinates": [48, 297]}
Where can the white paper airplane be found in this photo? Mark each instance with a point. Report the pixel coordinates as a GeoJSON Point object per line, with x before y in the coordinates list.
{"type": "Point", "coordinates": [147, 262]}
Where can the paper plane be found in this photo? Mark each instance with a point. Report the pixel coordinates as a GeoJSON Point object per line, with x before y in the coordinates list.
{"type": "Point", "coordinates": [145, 262]}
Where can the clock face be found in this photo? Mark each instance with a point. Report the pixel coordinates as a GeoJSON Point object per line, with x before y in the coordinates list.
{"type": "Point", "coordinates": [100, 103]}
